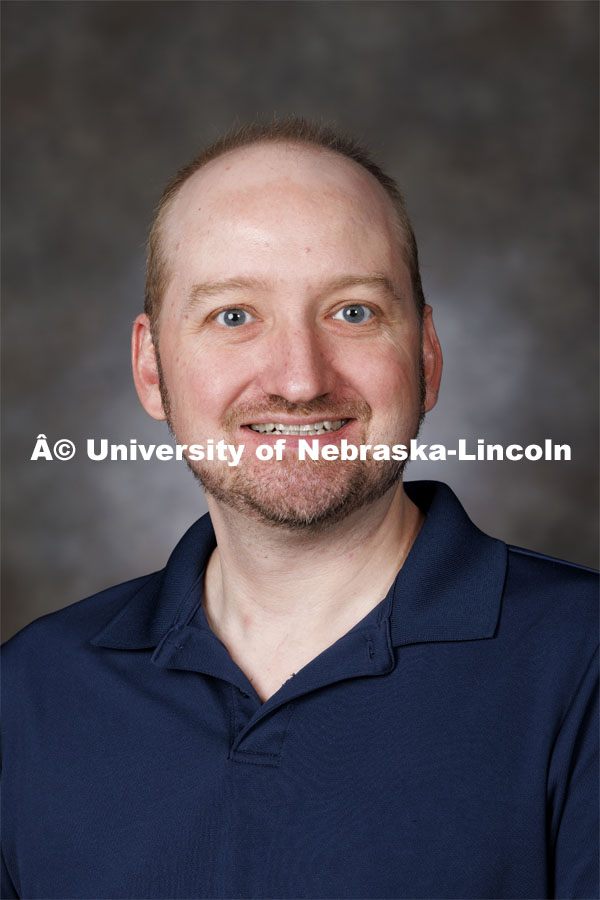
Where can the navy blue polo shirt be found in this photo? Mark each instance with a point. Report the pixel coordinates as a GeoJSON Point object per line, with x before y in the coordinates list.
{"type": "Point", "coordinates": [444, 747]}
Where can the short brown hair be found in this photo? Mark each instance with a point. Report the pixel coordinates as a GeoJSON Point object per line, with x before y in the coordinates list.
{"type": "Point", "coordinates": [293, 130]}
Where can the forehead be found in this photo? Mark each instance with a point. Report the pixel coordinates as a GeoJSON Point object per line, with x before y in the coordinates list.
{"type": "Point", "coordinates": [279, 184]}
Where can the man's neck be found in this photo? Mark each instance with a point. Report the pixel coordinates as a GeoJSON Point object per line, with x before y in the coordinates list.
{"type": "Point", "coordinates": [277, 598]}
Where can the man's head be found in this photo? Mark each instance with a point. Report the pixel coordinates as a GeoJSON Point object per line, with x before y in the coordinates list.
{"type": "Point", "coordinates": [287, 297]}
{"type": "Point", "coordinates": [290, 130]}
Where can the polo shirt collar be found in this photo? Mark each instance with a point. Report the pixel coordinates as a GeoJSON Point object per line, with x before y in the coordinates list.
{"type": "Point", "coordinates": [449, 588]}
{"type": "Point", "coordinates": [164, 597]}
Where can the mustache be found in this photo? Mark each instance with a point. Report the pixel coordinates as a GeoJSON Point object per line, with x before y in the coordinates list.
{"type": "Point", "coordinates": [328, 408]}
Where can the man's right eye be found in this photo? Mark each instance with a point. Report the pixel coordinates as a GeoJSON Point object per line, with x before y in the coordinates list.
{"type": "Point", "coordinates": [234, 317]}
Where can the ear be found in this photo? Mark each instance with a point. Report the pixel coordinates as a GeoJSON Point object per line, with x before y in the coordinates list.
{"type": "Point", "coordinates": [432, 359]}
{"type": "Point", "coordinates": [145, 370]}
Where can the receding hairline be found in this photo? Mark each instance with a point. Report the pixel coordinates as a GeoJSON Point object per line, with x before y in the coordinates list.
{"type": "Point", "coordinates": [295, 135]}
{"type": "Point", "coordinates": [397, 216]}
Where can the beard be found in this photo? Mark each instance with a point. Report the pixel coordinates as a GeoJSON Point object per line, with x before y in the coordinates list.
{"type": "Point", "coordinates": [299, 495]}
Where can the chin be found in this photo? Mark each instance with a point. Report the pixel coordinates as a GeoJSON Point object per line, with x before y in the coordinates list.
{"type": "Point", "coordinates": [303, 496]}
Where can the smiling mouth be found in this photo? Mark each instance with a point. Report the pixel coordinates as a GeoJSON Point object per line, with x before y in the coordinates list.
{"type": "Point", "coordinates": [325, 427]}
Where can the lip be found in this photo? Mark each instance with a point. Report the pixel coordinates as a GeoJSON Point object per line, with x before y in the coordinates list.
{"type": "Point", "coordinates": [298, 420]}
{"type": "Point", "coordinates": [292, 440]}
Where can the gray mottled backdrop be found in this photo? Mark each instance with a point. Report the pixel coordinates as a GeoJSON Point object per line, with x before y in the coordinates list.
{"type": "Point", "coordinates": [486, 113]}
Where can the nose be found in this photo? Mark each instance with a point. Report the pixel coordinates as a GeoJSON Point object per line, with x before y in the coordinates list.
{"type": "Point", "coordinates": [296, 365]}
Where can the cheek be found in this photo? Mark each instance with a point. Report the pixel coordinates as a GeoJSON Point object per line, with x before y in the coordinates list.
{"type": "Point", "coordinates": [201, 387]}
{"type": "Point", "coordinates": [385, 375]}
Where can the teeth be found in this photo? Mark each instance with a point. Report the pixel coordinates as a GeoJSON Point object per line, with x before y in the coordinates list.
{"type": "Point", "coordinates": [314, 428]}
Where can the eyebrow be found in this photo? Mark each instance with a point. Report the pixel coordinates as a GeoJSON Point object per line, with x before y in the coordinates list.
{"type": "Point", "coordinates": [375, 280]}
{"type": "Point", "coordinates": [206, 289]}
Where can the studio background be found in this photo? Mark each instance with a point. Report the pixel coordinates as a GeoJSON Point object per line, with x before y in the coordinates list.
{"type": "Point", "coordinates": [486, 113]}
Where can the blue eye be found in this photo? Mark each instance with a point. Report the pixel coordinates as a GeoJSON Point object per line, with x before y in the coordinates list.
{"type": "Point", "coordinates": [354, 313]}
{"type": "Point", "coordinates": [234, 317]}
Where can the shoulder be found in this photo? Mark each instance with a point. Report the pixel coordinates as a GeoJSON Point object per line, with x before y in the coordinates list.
{"type": "Point", "coordinates": [133, 615]}
{"type": "Point", "coordinates": [69, 628]}
{"type": "Point", "coordinates": [552, 580]}
{"type": "Point", "coordinates": [556, 570]}
{"type": "Point", "coordinates": [557, 600]}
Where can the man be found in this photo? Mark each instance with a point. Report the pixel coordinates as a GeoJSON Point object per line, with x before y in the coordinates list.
{"type": "Point", "coordinates": [338, 686]}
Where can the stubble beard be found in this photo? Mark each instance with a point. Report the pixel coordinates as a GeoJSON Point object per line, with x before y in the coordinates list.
{"type": "Point", "coordinates": [299, 495]}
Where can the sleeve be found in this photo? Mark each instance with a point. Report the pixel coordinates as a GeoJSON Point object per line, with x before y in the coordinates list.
{"type": "Point", "coordinates": [7, 886]}
{"type": "Point", "coordinates": [573, 795]}
{"type": "Point", "coordinates": [7, 889]}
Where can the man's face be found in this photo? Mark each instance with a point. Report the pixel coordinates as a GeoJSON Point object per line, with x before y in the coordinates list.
{"type": "Point", "coordinates": [290, 305]}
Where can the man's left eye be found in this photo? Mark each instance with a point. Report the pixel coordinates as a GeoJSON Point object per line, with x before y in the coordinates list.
{"type": "Point", "coordinates": [354, 313]}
